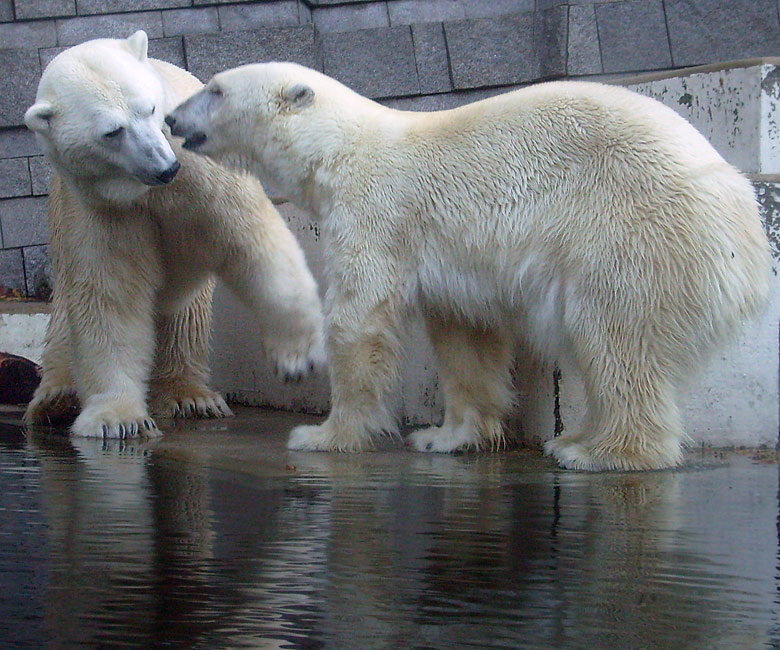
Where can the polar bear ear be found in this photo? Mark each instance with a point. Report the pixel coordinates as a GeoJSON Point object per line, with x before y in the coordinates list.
{"type": "Point", "coordinates": [38, 115]}
{"type": "Point", "coordinates": [297, 96]}
{"type": "Point", "coordinates": [139, 44]}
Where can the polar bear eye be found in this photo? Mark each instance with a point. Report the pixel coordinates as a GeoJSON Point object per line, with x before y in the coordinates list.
{"type": "Point", "coordinates": [113, 134]}
{"type": "Point", "coordinates": [216, 90]}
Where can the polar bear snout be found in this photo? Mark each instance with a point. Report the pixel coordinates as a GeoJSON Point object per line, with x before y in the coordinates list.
{"type": "Point", "coordinates": [169, 174]}
{"type": "Point", "coordinates": [193, 138]}
{"type": "Point", "coordinates": [191, 119]}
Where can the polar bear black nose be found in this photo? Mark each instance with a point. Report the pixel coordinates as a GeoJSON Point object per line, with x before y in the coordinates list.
{"type": "Point", "coordinates": [170, 120]}
{"type": "Point", "coordinates": [168, 174]}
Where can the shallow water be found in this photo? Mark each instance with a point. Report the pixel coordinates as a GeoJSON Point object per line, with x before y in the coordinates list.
{"type": "Point", "coordinates": [216, 537]}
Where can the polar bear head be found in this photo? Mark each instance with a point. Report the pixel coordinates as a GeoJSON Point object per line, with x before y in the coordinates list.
{"type": "Point", "coordinates": [99, 117]}
{"type": "Point", "coordinates": [280, 121]}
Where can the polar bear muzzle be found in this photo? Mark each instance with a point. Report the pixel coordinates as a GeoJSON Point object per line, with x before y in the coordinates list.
{"type": "Point", "coordinates": [188, 119]}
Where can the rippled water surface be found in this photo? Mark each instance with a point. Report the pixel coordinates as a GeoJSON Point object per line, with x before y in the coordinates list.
{"type": "Point", "coordinates": [215, 537]}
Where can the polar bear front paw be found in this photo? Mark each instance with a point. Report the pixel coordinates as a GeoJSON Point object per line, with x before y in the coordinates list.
{"type": "Point", "coordinates": [291, 366]}
{"type": "Point", "coordinates": [323, 438]}
{"type": "Point", "coordinates": [193, 402]}
{"type": "Point", "coordinates": [114, 419]}
{"type": "Point", "coordinates": [443, 440]}
{"type": "Point", "coordinates": [52, 406]}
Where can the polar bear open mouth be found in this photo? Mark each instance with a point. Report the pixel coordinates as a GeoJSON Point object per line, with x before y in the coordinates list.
{"type": "Point", "coordinates": [195, 140]}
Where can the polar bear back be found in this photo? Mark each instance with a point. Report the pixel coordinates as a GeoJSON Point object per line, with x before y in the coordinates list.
{"type": "Point", "coordinates": [583, 193]}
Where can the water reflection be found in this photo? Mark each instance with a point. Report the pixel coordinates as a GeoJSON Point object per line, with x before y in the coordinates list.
{"type": "Point", "coordinates": [185, 543]}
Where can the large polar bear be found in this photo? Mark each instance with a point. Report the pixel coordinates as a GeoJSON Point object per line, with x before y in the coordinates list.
{"type": "Point", "coordinates": [136, 251]}
{"type": "Point", "coordinates": [581, 218]}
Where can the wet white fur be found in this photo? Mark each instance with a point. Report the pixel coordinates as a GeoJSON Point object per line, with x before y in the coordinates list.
{"type": "Point", "coordinates": [581, 218]}
{"type": "Point", "coordinates": [135, 265]}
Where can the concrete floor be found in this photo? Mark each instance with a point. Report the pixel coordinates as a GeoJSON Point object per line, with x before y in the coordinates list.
{"type": "Point", "coordinates": [215, 536]}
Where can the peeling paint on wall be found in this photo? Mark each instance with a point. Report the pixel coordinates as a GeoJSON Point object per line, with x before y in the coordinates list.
{"type": "Point", "coordinates": [768, 195]}
{"type": "Point", "coordinates": [723, 106]}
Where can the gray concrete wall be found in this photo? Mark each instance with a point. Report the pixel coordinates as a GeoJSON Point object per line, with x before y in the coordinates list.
{"type": "Point", "coordinates": [412, 53]}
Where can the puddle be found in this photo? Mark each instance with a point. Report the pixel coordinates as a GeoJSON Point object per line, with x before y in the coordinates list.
{"type": "Point", "coordinates": [216, 537]}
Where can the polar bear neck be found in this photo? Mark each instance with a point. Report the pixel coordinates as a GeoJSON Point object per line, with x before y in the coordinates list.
{"type": "Point", "coordinates": [331, 145]}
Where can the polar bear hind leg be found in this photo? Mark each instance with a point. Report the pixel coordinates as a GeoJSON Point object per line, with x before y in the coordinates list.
{"type": "Point", "coordinates": [474, 366]}
{"type": "Point", "coordinates": [180, 374]}
{"type": "Point", "coordinates": [631, 421]}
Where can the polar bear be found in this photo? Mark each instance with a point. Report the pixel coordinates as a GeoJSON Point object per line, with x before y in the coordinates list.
{"type": "Point", "coordinates": [139, 231]}
{"type": "Point", "coordinates": [578, 218]}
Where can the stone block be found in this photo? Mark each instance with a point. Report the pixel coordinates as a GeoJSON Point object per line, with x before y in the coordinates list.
{"type": "Point", "coordinates": [492, 51]}
{"type": "Point", "coordinates": [18, 85]}
{"type": "Point", "coordinates": [709, 31]}
{"type": "Point", "coordinates": [40, 173]}
{"type": "Point", "coordinates": [19, 141]}
{"type": "Point", "coordinates": [409, 12]}
{"type": "Point", "coordinates": [23, 222]}
{"type": "Point", "coordinates": [430, 52]}
{"type": "Point", "coordinates": [38, 273]}
{"type": "Point", "coordinates": [349, 18]}
{"type": "Point", "coordinates": [442, 101]}
{"type": "Point", "coordinates": [168, 49]}
{"type": "Point", "coordinates": [633, 36]}
{"type": "Point", "coordinates": [304, 13]}
{"type": "Point", "coordinates": [325, 3]}
{"type": "Point", "coordinates": [26, 9]}
{"type": "Point", "coordinates": [6, 11]}
{"type": "Point", "coordinates": [46, 55]}
{"type": "Point", "coordinates": [178, 22]}
{"type": "Point", "coordinates": [208, 54]}
{"type": "Point", "coordinates": [35, 34]}
{"type": "Point", "coordinates": [220, 2]}
{"type": "Point", "coordinates": [12, 271]}
{"type": "Point", "coordinates": [482, 9]}
{"type": "Point", "coordinates": [282, 13]}
{"type": "Point", "coordinates": [550, 34]}
{"type": "Point", "coordinates": [87, 7]}
{"type": "Point", "coordinates": [72, 31]}
{"type": "Point", "coordinates": [584, 55]}
{"type": "Point", "coordinates": [14, 178]}
{"type": "Point", "coordinates": [373, 62]}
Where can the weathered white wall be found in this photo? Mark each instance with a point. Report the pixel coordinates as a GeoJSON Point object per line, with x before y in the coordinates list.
{"type": "Point", "coordinates": [22, 329]}
{"type": "Point", "coordinates": [735, 401]}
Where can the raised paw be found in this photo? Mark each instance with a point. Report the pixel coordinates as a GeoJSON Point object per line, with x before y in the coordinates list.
{"type": "Point", "coordinates": [114, 419]}
{"type": "Point", "coordinates": [294, 365]}
{"type": "Point", "coordinates": [291, 369]}
{"type": "Point", "coordinates": [198, 402]}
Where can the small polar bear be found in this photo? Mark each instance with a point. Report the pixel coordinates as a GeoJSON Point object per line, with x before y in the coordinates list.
{"type": "Point", "coordinates": [139, 231]}
{"type": "Point", "coordinates": [578, 218]}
